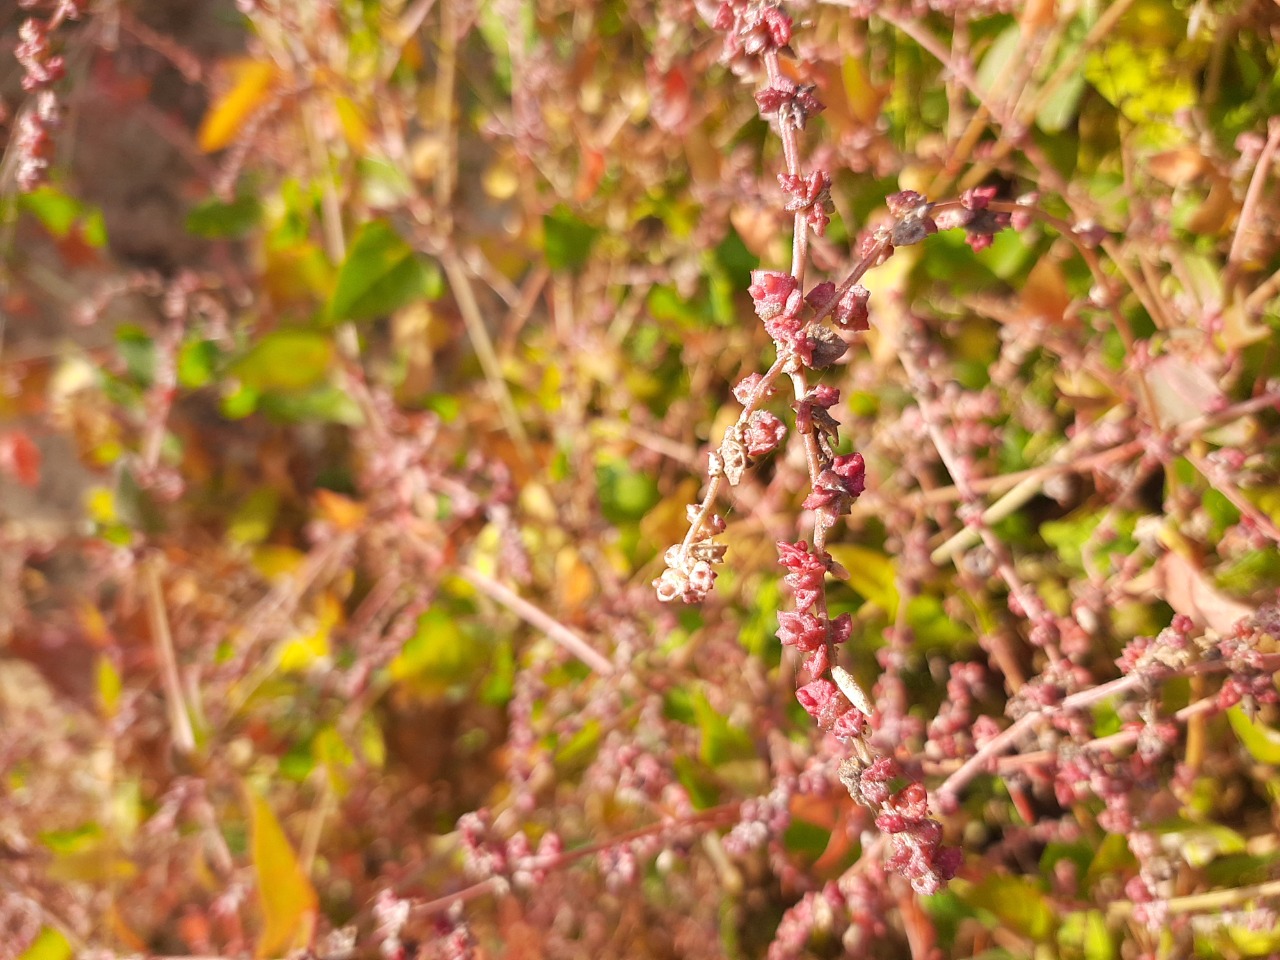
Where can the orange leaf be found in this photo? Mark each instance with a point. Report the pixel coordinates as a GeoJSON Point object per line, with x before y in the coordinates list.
{"type": "Point", "coordinates": [289, 902]}
{"type": "Point", "coordinates": [251, 84]}
{"type": "Point", "coordinates": [343, 512]}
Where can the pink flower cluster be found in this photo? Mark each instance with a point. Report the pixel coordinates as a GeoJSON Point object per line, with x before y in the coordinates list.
{"type": "Point", "coordinates": [902, 806]}
{"type": "Point", "coordinates": [792, 103]}
{"type": "Point", "coordinates": [41, 70]}
{"type": "Point", "coordinates": [515, 860]}
{"type": "Point", "coordinates": [810, 193]}
{"type": "Point", "coordinates": [791, 318]}
{"type": "Point", "coordinates": [813, 634]}
{"type": "Point", "coordinates": [752, 28]}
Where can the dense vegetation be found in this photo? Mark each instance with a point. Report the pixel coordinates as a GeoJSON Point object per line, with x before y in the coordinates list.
{"type": "Point", "coordinates": [363, 362]}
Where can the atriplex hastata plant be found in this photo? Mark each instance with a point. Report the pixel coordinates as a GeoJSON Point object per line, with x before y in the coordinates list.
{"type": "Point", "coordinates": [797, 320]}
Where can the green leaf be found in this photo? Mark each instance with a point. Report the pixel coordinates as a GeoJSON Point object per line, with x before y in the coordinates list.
{"type": "Point", "coordinates": [871, 575]}
{"type": "Point", "coordinates": [323, 404]}
{"type": "Point", "coordinates": [287, 359]}
{"type": "Point", "coordinates": [933, 626]}
{"type": "Point", "coordinates": [1198, 843]}
{"type": "Point", "coordinates": [1059, 109]}
{"type": "Point", "coordinates": [288, 900]}
{"type": "Point", "coordinates": [197, 363]}
{"type": "Point", "coordinates": [577, 752]}
{"type": "Point", "coordinates": [380, 275]}
{"type": "Point", "coordinates": [1112, 857]}
{"type": "Point", "coordinates": [439, 654]}
{"type": "Point", "coordinates": [567, 240]}
{"type": "Point", "coordinates": [626, 495]}
{"type": "Point", "coordinates": [721, 742]}
{"type": "Point", "coordinates": [1261, 741]}
{"type": "Point", "coordinates": [995, 63]}
{"type": "Point", "coordinates": [217, 220]}
{"type": "Point", "coordinates": [704, 791]}
{"type": "Point", "coordinates": [138, 351]}
{"type": "Point", "coordinates": [807, 839]}
{"type": "Point", "coordinates": [1084, 935]}
{"type": "Point", "coordinates": [61, 213]}
{"type": "Point", "coordinates": [1241, 870]}
{"type": "Point", "coordinates": [1018, 902]}
{"type": "Point", "coordinates": [255, 518]}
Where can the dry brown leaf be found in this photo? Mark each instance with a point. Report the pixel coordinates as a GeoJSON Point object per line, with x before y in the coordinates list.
{"type": "Point", "coordinates": [1184, 587]}
{"type": "Point", "coordinates": [1182, 390]}
{"type": "Point", "coordinates": [1179, 167]}
{"type": "Point", "coordinates": [1045, 296]}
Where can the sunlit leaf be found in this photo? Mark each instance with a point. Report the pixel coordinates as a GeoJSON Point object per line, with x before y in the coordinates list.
{"type": "Point", "coordinates": [1198, 843]}
{"type": "Point", "coordinates": [288, 900]}
{"type": "Point", "coordinates": [439, 654]}
{"type": "Point", "coordinates": [252, 81]}
{"type": "Point", "coordinates": [1084, 935]}
{"type": "Point", "coordinates": [49, 944]}
{"type": "Point", "coordinates": [578, 750]}
{"type": "Point", "coordinates": [197, 363]}
{"type": "Point", "coordinates": [108, 683]}
{"type": "Point", "coordinates": [1018, 902]}
{"type": "Point", "coordinates": [287, 359]}
{"type": "Point", "coordinates": [996, 63]}
{"type": "Point", "coordinates": [871, 574]}
{"type": "Point", "coordinates": [1262, 742]}
{"type": "Point", "coordinates": [381, 274]}
{"type": "Point", "coordinates": [62, 214]}
{"type": "Point", "coordinates": [254, 518]}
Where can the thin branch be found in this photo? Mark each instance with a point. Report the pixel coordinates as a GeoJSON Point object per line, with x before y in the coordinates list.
{"type": "Point", "coordinates": [184, 739]}
{"type": "Point", "coordinates": [538, 619]}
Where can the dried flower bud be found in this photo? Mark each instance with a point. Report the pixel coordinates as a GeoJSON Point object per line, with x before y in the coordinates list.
{"type": "Point", "coordinates": [792, 103]}
{"type": "Point", "coordinates": [851, 312]}
{"type": "Point", "coordinates": [763, 433]}
{"type": "Point", "coordinates": [774, 293]}
{"type": "Point", "coordinates": [823, 348]}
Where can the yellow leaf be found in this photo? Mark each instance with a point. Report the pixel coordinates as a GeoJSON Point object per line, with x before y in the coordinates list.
{"type": "Point", "coordinates": [252, 82]}
{"type": "Point", "coordinates": [49, 945]}
{"type": "Point", "coordinates": [871, 574]}
{"type": "Point", "coordinates": [352, 122]}
{"type": "Point", "coordinates": [275, 562]}
{"type": "Point", "coordinates": [109, 686]}
{"type": "Point", "coordinates": [302, 651]}
{"type": "Point", "coordinates": [289, 902]}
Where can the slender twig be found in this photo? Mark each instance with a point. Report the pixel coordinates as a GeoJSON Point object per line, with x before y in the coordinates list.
{"type": "Point", "coordinates": [184, 739]}
{"type": "Point", "coordinates": [986, 755]}
{"type": "Point", "coordinates": [1205, 902]}
{"type": "Point", "coordinates": [1250, 205]}
{"type": "Point", "coordinates": [537, 618]}
{"type": "Point", "coordinates": [725, 813]}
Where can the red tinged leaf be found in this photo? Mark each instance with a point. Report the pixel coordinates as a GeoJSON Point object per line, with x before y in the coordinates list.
{"type": "Point", "coordinates": [20, 458]}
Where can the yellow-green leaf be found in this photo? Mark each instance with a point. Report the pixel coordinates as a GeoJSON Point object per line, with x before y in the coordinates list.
{"type": "Point", "coordinates": [1018, 902]}
{"type": "Point", "coordinates": [871, 574]}
{"type": "Point", "coordinates": [48, 945]}
{"type": "Point", "coordinates": [108, 683]}
{"type": "Point", "coordinates": [285, 360]}
{"type": "Point", "coordinates": [289, 902]}
{"type": "Point", "coordinates": [1261, 741]}
{"type": "Point", "coordinates": [381, 274]}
